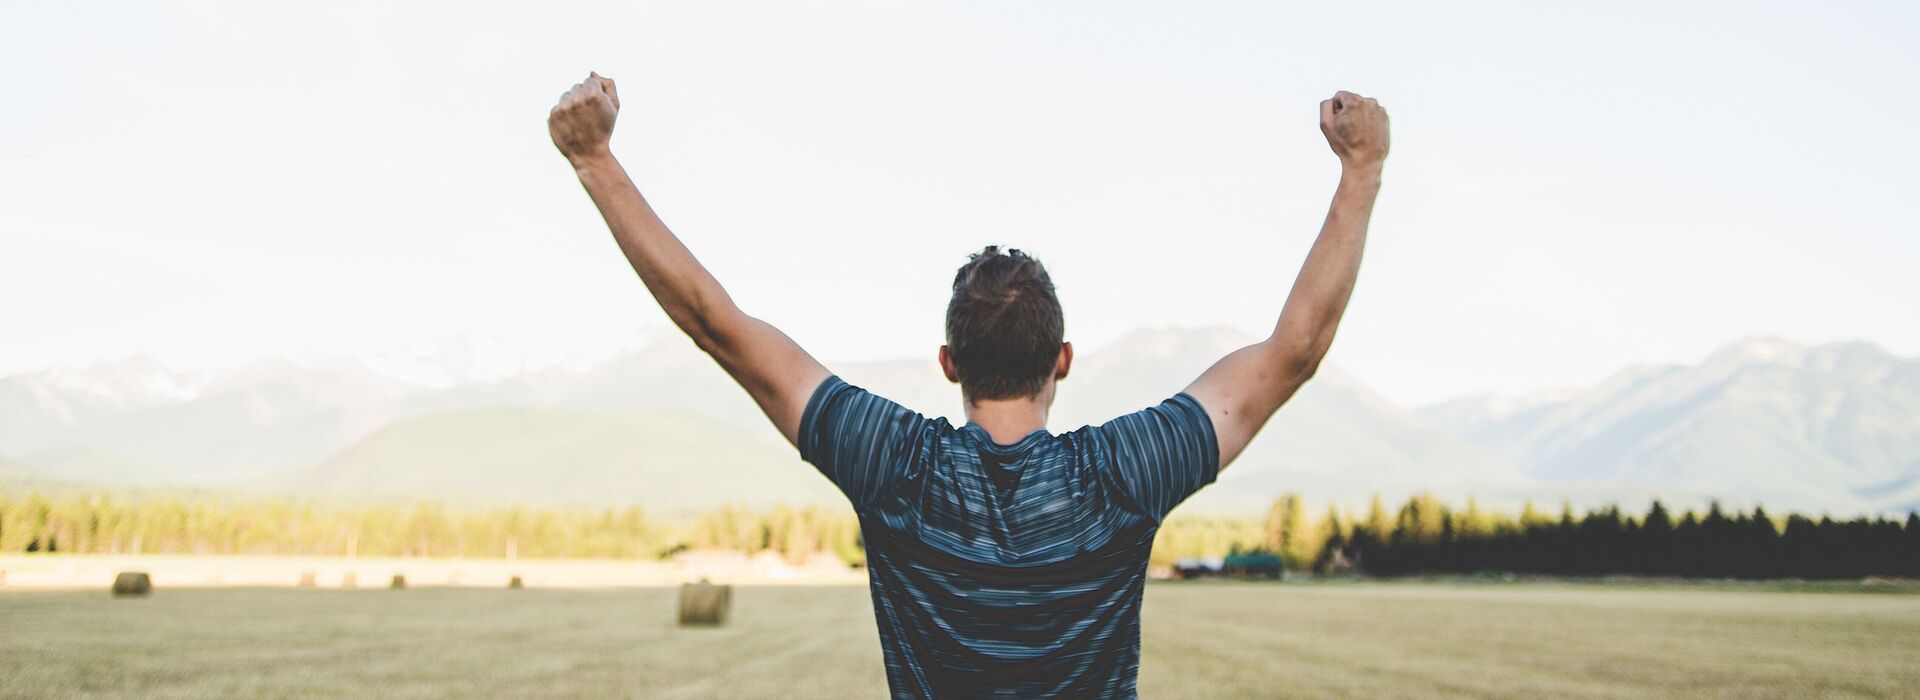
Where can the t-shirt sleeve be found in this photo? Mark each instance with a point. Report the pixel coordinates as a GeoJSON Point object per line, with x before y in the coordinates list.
{"type": "Point", "coordinates": [863, 443]}
{"type": "Point", "coordinates": [1159, 456]}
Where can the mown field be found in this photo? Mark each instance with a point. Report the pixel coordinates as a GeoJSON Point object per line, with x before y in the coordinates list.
{"type": "Point", "coordinates": [1202, 640]}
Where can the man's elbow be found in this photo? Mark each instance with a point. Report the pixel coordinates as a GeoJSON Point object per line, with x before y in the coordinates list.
{"type": "Point", "coordinates": [709, 331]}
{"type": "Point", "coordinates": [1300, 368]}
{"type": "Point", "coordinates": [703, 338]}
{"type": "Point", "coordinates": [1298, 357]}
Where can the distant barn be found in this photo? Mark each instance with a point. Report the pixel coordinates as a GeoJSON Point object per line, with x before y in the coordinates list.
{"type": "Point", "coordinates": [1253, 565]}
{"type": "Point", "coordinates": [1237, 566]}
{"type": "Point", "coordinates": [1191, 568]}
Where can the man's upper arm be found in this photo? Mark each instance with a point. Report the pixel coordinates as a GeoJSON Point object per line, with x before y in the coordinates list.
{"type": "Point", "coordinates": [1243, 389]}
{"type": "Point", "coordinates": [775, 371]}
{"type": "Point", "coordinates": [861, 442]}
{"type": "Point", "coordinates": [1162, 454]}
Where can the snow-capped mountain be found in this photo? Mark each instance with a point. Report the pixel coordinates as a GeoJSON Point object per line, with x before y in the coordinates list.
{"type": "Point", "coordinates": [1834, 426]}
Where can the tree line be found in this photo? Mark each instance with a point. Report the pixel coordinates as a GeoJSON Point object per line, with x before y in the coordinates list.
{"type": "Point", "coordinates": [165, 524]}
{"type": "Point", "coordinates": [1425, 536]}
{"type": "Point", "coordinates": [1428, 537]}
{"type": "Point", "coordinates": [1422, 536]}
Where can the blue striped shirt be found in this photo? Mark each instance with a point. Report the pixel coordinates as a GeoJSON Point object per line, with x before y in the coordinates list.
{"type": "Point", "coordinates": [1007, 570]}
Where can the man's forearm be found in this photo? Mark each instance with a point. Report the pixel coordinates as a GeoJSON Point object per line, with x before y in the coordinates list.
{"type": "Point", "coordinates": [775, 371]}
{"type": "Point", "coordinates": [689, 294]}
{"type": "Point", "coordinates": [1320, 293]}
{"type": "Point", "coordinates": [1243, 389]}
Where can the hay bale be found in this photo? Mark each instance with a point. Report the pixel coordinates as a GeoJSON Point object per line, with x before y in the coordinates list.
{"type": "Point", "coordinates": [515, 582]}
{"type": "Point", "coordinates": [132, 583]}
{"type": "Point", "coordinates": [399, 581]}
{"type": "Point", "coordinates": [704, 603]}
{"type": "Point", "coordinates": [309, 580]}
{"type": "Point", "coordinates": [348, 580]}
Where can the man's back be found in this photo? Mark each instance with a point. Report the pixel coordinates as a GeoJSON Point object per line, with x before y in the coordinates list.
{"type": "Point", "coordinates": [1007, 570]}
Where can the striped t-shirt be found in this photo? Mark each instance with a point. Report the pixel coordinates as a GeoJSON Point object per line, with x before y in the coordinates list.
{"type": "Point", "coordinates": [1007, 570]}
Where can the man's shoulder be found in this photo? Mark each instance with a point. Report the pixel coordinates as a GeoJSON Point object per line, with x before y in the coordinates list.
{"type": "Point", "coordinates": [853, 401]}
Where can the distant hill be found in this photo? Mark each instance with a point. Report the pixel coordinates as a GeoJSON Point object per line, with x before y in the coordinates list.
{"type": "Point", "coordinates": [1830, 427]}
{"type": "Point", "coordinates": [42, 410]}
{"type": "Point", "coordinates": [1827, 428]}
{"type": "Point", "coordinates": [1335, 440]}
{"type": "Point", "coordinates": [135, 422]}
{"type": "Point", "coordinates": [665, 461]}
{"type": "Point", "coordinates": [665, 410]}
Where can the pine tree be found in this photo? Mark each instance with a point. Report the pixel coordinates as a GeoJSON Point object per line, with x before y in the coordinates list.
{"type": "Point", "coordinates": [1531, 517]}
{"type": "Point", "coordinates": [1334, 539]}
{"type": "Point", "coordinates": [1276, 527]}
{"type": "Point", "coordinates": [1299, 547]}
{"type": "Point", "coordinates": [1656, 542]}
{"type": "Point", "coordinates": [1910, 547]}
{"type": "Point", "coordinates": [1687, 546]}
{"type": "Point", "coordinates": [1379, 526]}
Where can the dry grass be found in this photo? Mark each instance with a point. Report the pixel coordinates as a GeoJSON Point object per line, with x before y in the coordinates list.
{"type": "Point", "coordinates": [1528, 640]}
{"type": "Point", "coordinates": [1202, 641]}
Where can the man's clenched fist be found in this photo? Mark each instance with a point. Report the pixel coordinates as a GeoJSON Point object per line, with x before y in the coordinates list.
{"type": "Point", "coordinates": [1356, 128]}
{"type": "Point", "coordinates": [582, 123]}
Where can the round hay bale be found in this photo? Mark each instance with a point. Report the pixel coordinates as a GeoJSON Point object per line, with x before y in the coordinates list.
{"type": "Point", "coordinates": [704, 603]}
{"type": "Point", "coordinates": [348, 580]}
{"type": "Point", "coordinates": [309, 580]}
{"type": "Point", "coordinates": [515, 582]}
{"type": "Point", "coordinates": [399, 581]}
{"type": "Point", "coordinates": [132, 584]}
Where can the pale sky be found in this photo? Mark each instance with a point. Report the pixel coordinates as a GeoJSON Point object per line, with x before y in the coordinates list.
{"type": "Point", "coordinates": [1570, 191]}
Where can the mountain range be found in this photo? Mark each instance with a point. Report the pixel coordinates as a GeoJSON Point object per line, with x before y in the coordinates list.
{"type": "Point", "coordinates": [1828, 428]}
{"type": "Point", "coordinates": [1835, 426]}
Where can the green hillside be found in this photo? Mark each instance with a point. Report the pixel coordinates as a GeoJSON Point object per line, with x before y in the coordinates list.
{"type": "Point", "coordinates": [668, 462]}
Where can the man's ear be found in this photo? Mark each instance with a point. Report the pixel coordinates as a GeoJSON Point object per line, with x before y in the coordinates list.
{"type": "Point", "coordinates": [946, 365]}
{"type": "Point", "coordinates": [1063, 365]}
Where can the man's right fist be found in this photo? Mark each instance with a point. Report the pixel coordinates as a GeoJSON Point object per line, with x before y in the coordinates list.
{"type": "Point", "coordinates": [1356, 128]}
{"type": "Point", "coordinates": [582, 124]}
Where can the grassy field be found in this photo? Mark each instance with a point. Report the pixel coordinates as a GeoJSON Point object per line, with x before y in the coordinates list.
{"type": "Point", "coordinates": [1202, 640]}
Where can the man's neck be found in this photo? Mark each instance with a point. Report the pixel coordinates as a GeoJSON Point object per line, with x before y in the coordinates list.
{"type": "Point", "coordinates": [1008, 420]}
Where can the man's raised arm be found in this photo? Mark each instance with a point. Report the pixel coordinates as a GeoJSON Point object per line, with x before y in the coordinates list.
{"type": "Point", "coordinates": [1242, 390]}
{"type": "Point", "coordinates": [776, 371]}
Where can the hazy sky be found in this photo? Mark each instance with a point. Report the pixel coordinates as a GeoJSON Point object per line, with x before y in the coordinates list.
{"type": "Point", "coordinates": [1569, 191]}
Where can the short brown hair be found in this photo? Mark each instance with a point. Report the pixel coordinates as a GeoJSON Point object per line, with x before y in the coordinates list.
{"type": "Point", "coordinates": [1004, 325]}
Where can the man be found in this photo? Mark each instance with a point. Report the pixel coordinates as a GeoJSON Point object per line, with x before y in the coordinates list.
{"type": "Point", "coordinates": [1004, 560]}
